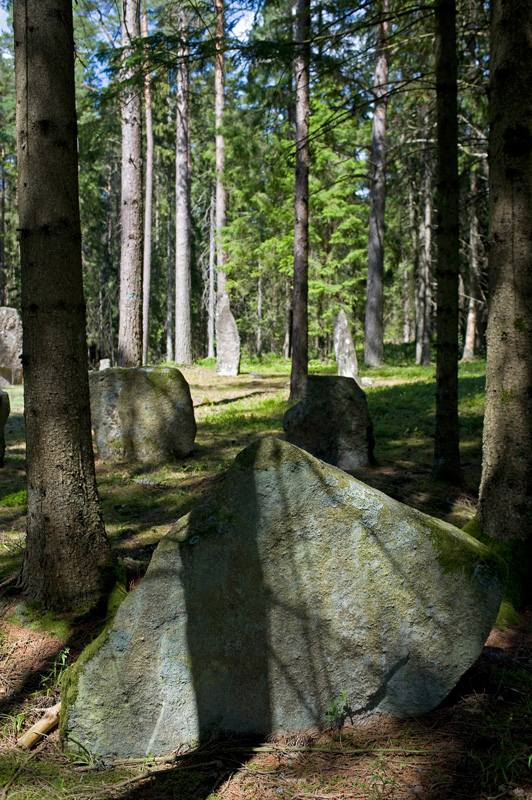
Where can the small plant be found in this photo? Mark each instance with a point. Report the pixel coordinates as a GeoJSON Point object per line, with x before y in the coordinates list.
{"type": "Point", "coordinates": [337, 713]}
{"type": "Point", "coordinates": [53, 678]}
{"type": "Point", "coordinates": [12, 724]}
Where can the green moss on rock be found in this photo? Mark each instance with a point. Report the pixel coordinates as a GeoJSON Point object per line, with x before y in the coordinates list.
{"type": "Point", "coordinates": [69, 681]}
{"type": "Point", "coordinates": [517, 555]}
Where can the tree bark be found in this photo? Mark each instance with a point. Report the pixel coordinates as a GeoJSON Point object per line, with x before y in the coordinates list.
{"type": "Point", "coordinates": [131, 250]}
{"type": "Point", "coordinates": [66, 546]}
{"type": "Point", "coordinates": [259, 314]}
{"type": "Point", "coordinates": [505, 503]}
{"type": "Point", "coordinates": [221, 193]}
{"type": "Point", "coordinates": [374, 325]}
{"type": "Point", "coordinates": [468, 353]}
{"type": "Point", "coordinates": [287, 343]}
{"type": "Point", "coordinates": [148, 194]}
{"type": "Point", "coordinates": [446, 466]}
{"type": "Point", "coordinates": [300, 301]}
{"type": "Point", "coordinates": [170, 270]}
{"type": "Point", "coordinates": [211, 299]}
{"type": "Point", "coordinates": [3, 276]}
{"type": "Point", "coordinates": [183, 334]}
{"type": "Point", "coordinates": [424, 287]}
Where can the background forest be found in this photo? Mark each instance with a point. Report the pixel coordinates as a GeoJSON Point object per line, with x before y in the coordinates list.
{"type": "Point", "coordinates": [217, 97]}
{"type": "Point", "coordinates": [259, 128]}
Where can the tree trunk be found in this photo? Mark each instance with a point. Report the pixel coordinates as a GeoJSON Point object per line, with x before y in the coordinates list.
{"type": "Point", "coordinates": [211, 300]}
{"type": "Point", "coordinates": [183, 334]}
{"type": "Point", "coordinates": [170, 268]}
{"type": "Point", "coordinates": [300, 302]}
{"type": "Point", "coordinates": [3, 275]}
{"type": "Point", "coordinates": [471, 324]}
{"type": "Point", "coordinates": [148, 194]}
{"type": "Point", "coordinates": [224, 342]}
{"type": "Point", "coordinates": [287, 343]}
{"type": "Point", "coordinates": [259, 314]}
{"type": "Point", "coordinates": [505, 503]}
{"type": "Point", "coordinates": [446, 465]}
{"type": "Point", "coordinates": [374, 326]}
{"type": "Point", "coordinates": [131, 251]}
{"type": "Point", "coordinates": [424, 288]}
{"type": "Point", "coordinates": [66, 547]}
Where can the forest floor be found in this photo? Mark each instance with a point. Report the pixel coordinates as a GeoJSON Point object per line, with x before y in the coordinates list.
{"type": "Point", "coordinates": [477, 745]}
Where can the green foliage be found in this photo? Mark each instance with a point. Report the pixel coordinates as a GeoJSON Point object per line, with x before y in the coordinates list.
{"type": "Point", "coordinates": [14, 499]}
{"type": "Point", "coordinates": [339, 711]}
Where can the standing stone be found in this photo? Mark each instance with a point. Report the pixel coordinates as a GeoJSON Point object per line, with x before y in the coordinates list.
{"type": "Point", "coordinates": [291, 583]}
{"type": "Point", "coordinates": [5, 408]}
{"type": "Point", "coordinates": [227, 339]}
{"type": "Point", "coordinates": [344, 349]}
{"type": "Point", "coordinates": [141, 414]}
{"type": "Point", "coordinates": [10, 346]}
{"type": "Point", "coordinates": [332, 422]}
{"type": "Point", "coordinates": [105, 363]}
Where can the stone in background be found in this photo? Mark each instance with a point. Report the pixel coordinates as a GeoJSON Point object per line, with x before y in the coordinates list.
{"type": "Point", "coordinates": [10, 346]}
{"type": "Point", "coordinates": [332, 422]}
{"type": "Point", "coordinates": [141, 413]}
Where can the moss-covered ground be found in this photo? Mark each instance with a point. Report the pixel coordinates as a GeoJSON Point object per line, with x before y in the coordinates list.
{"type": "Point", "coordinates": [478, 745]}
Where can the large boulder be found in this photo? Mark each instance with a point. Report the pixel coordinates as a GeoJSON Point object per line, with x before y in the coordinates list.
{"type": "Point", "coordinates": [10, 346]}
{"type": "Point", "coordinates": [332, 422]}
{"type": "Point", "coordinates": [5, 408]}
{"type": "Point", "coordinates": [142, 413]}
{"type": "Point", "coordinates": [290, 584]}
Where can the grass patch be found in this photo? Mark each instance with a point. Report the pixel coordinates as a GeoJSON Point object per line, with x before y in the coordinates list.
{"type": "Point", "coordinates": [15, 499]}
{"type": "Point", "coordinates": [36, 618]}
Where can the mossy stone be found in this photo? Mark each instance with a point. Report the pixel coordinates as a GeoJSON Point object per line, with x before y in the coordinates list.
{"type": "Point", "coordinates": [142, 414]}
{"type": "Point", "coordinates": [290, 584]}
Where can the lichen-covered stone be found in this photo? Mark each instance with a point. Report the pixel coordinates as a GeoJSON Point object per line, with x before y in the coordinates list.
{"type": "Point", "coordinates": [344, 349]}
{"type": "Point", "coordinates": [10, 346]}
{"type": "Point", "coordinates": [227, 339]}
{"type": "Point", "coordinates": [291, 583]}
{"type": "Point", "coordinates": [332, 422]}
{"type": "Point", "coordinates": [143, 413]}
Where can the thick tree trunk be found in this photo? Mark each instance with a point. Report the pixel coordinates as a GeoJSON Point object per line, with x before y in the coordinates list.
{"type": "Point", "coordinates": [300, 302]}
{"type": "Point", "coordinates": [183, 333]}
{"type": "Point", "coordinates": [505, 504]}
{"type": "Point", "coordinates": [131, 251]}
{"type": "Point", "coordinates": [374, 326]}
{"type": "Point", "coordinates": [66, 547]}
{"type": "Point", "coordinates": [446, 465]}
{"type": "Point", "coordinates": [148, 194]}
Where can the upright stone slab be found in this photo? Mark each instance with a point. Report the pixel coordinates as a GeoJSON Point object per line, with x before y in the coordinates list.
{"type": "Point", "coordinates": [332, 422]}
{"type": "Point", "coordinates": [227, 339]}
{"type": "Point", "coordinates": [142, 413]}
{"type": "Point", "coordinates": [344, 349]}
{"type": "Point", "coordinates": [10, 346]}
{"type": "Point", "coordinates": [5, 408]}
{"type": "Point", "coordinates": [291, 583]}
